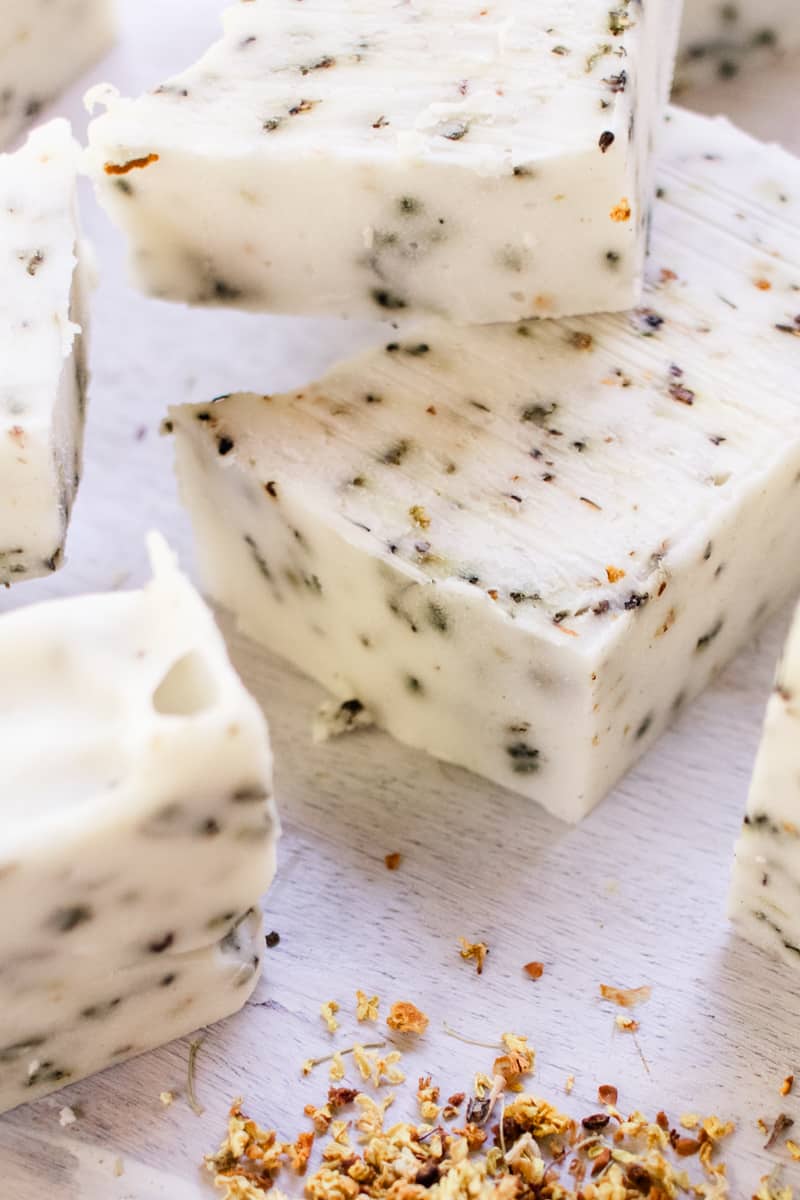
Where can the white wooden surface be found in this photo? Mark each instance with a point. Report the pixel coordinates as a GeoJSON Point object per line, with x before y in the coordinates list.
{"type": "Point", "coordinates": [635, 895]}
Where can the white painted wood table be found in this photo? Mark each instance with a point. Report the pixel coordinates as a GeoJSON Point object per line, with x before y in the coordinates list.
{"type": "Point", "coordinates": [635, 895]}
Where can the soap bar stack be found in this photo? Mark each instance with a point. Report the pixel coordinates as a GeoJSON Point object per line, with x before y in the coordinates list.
{"type": "Point", "coordinates": [44, 45]}
{"type": "Point", "coordinates": [43, 305]}
{"type": "Point", "coordinates": [484, 162]}
{"type": "Point", "coordinates": [524, 546]}
{"type": "Point", "coordinates": [135, 849]}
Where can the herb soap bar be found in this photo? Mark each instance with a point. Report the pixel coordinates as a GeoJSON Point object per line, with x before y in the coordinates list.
{"type": "Point", "coordinates": [763, 897]}
{"type": "Point", "coordinates": [44, 45]}
{"type": "Point", "coordinates": [523, 548]}
{"type": "Point", "coordinates": [42, 351]}
{"type": "Point", "coordinates": [138, 830]}
{"type": "Point", "coordinates": [484, 162]}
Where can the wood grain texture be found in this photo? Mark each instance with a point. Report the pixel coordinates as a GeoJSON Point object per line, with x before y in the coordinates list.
{"type": "Point", "coordinates": [635, 895]}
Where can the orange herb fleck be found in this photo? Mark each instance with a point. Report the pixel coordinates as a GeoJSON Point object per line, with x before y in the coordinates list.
{"type": "Point", "coordinates": [132, 164]}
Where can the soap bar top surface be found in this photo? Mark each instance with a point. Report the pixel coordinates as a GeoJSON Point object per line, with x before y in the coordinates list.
{"type": "Point", "coordinates": [481, 162]}
{"type": "Point", "coordinates": [489, 86]}
{"type": "Point", "coordinates": [541, 462]}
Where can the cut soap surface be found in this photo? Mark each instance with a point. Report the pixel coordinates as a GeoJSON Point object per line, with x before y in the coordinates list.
{"type": "Point", "coordinates": [42, 351]}
{"type": "Point", "coordinates": [764, 897]}
{"type": "Point", "coordinates": [363, 157]}
{"type": "Point", "coordinates": [523, 548]}
{"type": "Point", "coordinates": [138, 830]}
{"type": "Point", "coordinates": [44, 45]}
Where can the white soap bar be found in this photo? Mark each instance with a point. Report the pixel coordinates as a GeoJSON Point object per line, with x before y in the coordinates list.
{"type": "Point", "coordinates": [764, 890]}
{"type": "Point", "coordinates": [138, 828]}
{"type": "Point", "coordinates": [720, 40]}
{"type": "Point", "coordinates": [44, 45]}
{"type": "Point", "coordinates": [523, 548]}
{"type": "Point", "coordinates": [42, 351]}
{"type": "Point", "coordinates": [367, 158]}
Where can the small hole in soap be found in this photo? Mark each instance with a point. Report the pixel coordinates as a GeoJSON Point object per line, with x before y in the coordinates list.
{"type": "Point", "coordinates": [721, 480]}
{"type": "Point", "coordinates": [187, 688]}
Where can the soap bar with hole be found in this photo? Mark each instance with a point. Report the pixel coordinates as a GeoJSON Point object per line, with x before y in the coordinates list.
{"type": "Point", "coordinates": [764, 891]}
{"type": "Point", "coordinates": [721, 40]}
{"type": "Point", "coordinates": [484, 162]}
{"type": "Point", "coordinates": [43, 304]}
{"type": "Point", "coordinates": [525, 547]}
{"type": "Point", "coordinates": [138, 828]}
{"type": "Point", "coordinates": [44, 46]}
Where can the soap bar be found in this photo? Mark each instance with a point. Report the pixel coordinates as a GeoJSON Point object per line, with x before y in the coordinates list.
{"type": "Point", "coordinates": [763, 897]}
{"type": "Point", "coordinates": [484, 162]}
{"type": "Point", "coordinates": [42, 351]}
{"type": "Point", "coordinates": [719, 40]}
{"type": "Point", "coordinates": [138, 826]}
{"type": "Point", "coordinates": [44, 45]}
{"type": "Point", "coordinates": [523, 548]}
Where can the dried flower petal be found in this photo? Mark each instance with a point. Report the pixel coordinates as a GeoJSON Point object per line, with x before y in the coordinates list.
{"type": "Point", "coordinates": [366, 1007]}
{"type": "Point", "coordinates": [474, 950]}
{"type": "Point", "coordinates": [625, 997]}
{"type": "Point", "coordinates": [326, 1012]}
{"type": "Point", "coordinates": [405, 1017]}
{"type": "Point", "coordinates": [534, 970]}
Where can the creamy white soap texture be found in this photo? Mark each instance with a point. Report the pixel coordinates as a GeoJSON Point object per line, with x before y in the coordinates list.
{"type": "Point", "coordinates": [44, 45]}
{"type": "Point", "coordinates": [367, 158]}
{"type": "Point", "coordinates": [764, 897]}
{"type": "Point", "coordinates": [138, 830]}
{"type": "Point", "coordinates": [720, 38]}
{"type": "Point", "coordinates": [43, 302]}
{"type": "Point", "coordinates": [523, 548]}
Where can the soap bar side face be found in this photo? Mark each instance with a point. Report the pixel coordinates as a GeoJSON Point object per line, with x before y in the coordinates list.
{"type": "Point", "coordinates": [50, 1040]}
{"type": "Point", "coordinates": [369, 162]}
{"type": "Point", "coordinates": [43, 345]}
{"type": "Point", "coordinates": [763, 896]}
{"type": "Point", "coordinates": [721, 40]}
{"type": "Point", "coordinates": [47, 44]}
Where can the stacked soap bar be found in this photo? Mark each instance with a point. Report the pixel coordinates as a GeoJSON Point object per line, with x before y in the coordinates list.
{"type": "Point", "coordinates": [44, 45]}
{"type": "Point", "coordinates": [523, 548]}
{"type": "Point", "coordinates": [484, 162]}
{"type": "Point", "coordinates": [719, 39]}
{"type": "Point", "coordinates": [763, 898]}
{"type": "Point", "coordinates": [138, 830]}
{"type": "Point", "coordinates": [42, 351]}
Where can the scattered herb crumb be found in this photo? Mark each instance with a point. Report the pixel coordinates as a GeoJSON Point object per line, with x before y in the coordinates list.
{"type": "Point", "coordinates": [366, 1006]}
{"type": "Point", "coordinates": [327, 1013]}
{"type": "Point", "coordinates": [477, 951]}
